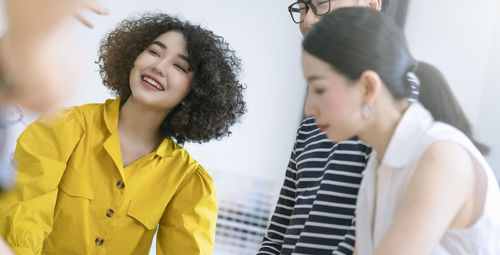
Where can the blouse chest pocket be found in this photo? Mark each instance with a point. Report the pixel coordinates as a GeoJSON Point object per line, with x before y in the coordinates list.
{"type": "Point", "coordinates": [75, 184]}
{"type": "Point", "coordinates": [146, 213]}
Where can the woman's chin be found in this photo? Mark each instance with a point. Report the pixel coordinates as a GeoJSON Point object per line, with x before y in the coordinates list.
{"type": "Point", "coordinates": [335, 137]}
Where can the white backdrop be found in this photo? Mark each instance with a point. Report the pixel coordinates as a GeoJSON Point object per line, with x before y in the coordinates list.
{"type": "Point", "coordinates": [462, 39]}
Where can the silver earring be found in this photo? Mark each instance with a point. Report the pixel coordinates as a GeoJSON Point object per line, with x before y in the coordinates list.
{"type": "Point", "coordinates": [366, 112]}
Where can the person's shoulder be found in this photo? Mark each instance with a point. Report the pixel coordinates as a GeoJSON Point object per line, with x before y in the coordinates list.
{"type": "Point", "coordinates": [96, 114]}
{"type": "Point", "coordinates": [61, 115]}
{"type": "Point", "coordinates": [308, 132]}
{"type": "Point", "coordinates": [202, 173]}
{"type": "Point", "coordinates": [353, 144]}
{"type": "Point", "coordinates": [308, 124]}
{"type": "Point", "coordinates": [179, 154]}
{"type": "Point", "coordinates": [309, 137]}
{"type": "Point", "coordinates": [443, 131]}
{"type": "Point", "coordinates": [446, 151]}
{"type": "Point", "coordinates": [447, 158]}
{"type": "Point", "coordinates": [439, 137]}
{"type": "Point", "coordinates": [193, 167]}
{"type": "Point", "coordinates": [94, 107]}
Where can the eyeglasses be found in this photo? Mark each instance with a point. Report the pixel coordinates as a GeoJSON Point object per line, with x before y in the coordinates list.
{"type": "Point", "coordinates": [299, 9]}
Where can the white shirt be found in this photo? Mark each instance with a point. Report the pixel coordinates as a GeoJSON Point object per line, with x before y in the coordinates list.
{"type": "Point", "coordinates": [383, 187]}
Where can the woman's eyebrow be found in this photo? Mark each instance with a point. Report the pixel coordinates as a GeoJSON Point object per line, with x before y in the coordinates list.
{"type": "Point", "coordinates": [314, 78]}
{"type": "Point", "coordinates": [163, 46]}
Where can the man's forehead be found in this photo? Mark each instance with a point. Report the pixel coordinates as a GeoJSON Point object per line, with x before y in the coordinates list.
{"type": "Point", "coordinates": [335, 4]}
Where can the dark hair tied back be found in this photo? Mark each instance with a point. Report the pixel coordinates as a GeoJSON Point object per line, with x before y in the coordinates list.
{"type": "Point", "coordinates": [356, 39]}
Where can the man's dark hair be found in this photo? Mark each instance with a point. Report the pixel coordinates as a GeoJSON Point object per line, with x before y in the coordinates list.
{"type": "Point", "coordinates": [386, 4]}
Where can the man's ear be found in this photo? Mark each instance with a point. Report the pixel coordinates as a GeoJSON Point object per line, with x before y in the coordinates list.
{"type": "Point", "coordinates": [375, 4]}
{"type": "Point", "coordinates": [371, 84]}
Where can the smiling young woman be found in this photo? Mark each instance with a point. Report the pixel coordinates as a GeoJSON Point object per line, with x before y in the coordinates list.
{"type": "Point", "coordinates": [104, 177]}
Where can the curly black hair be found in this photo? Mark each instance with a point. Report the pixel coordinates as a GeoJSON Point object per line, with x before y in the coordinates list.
{"type": "Point", "coordinates": [215, 101]}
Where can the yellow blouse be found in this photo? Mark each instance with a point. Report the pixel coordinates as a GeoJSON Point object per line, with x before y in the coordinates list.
{"type": "Point", "coordinates": [74, 196]}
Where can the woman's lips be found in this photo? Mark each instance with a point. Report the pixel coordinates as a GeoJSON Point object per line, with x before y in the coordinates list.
{"type": "Point", "coordinates": [147, 85]}
{"type": "Point", "coordinates": [322, 128]}
{"type": "Point", "coordinates": [152, 82]}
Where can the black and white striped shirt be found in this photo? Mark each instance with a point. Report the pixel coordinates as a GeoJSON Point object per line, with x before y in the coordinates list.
{"type": "Point", "coordinates": [315, 209]}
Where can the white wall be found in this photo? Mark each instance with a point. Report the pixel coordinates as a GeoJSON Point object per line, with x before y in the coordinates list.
{"type": "Point", "coordinates": [489, 118]}
{"type": "Point", "coordinates": [461, 38]}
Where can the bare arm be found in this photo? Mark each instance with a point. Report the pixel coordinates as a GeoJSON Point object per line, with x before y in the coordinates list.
{"type": "Point", "coordinates": [440, 186]}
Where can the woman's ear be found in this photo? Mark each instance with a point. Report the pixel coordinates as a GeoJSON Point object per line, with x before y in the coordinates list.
{"type": "Point", "coordinates": [371, 84]}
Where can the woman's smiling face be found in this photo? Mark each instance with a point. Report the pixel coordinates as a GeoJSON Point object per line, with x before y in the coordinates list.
{"type": "Point", "coordinates": [161, 76]}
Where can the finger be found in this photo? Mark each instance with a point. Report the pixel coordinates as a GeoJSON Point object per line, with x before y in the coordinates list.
{"type": "Point", "coordinates": [83, 20]}
{"type": "Point", "coordinates": [93, 6]}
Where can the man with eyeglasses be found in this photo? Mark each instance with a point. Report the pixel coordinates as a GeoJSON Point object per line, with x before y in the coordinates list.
{"type": "Point", "coordinates": [315, 209]}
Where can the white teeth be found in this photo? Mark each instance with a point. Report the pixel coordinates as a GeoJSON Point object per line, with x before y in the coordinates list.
{"type": "Point", "coordinates": [152, 82]}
